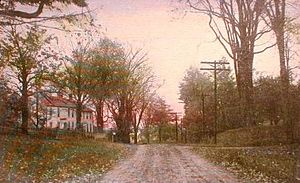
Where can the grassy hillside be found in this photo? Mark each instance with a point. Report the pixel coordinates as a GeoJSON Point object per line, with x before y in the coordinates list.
{"type": "Point", "coordinates": [256, 136]}
{"type": "Point", "coordinates": [255, 164]}
{"type": "Point", "coordinates": [258, 154]}
{"type": "Point", "coordinates": [34, 159]}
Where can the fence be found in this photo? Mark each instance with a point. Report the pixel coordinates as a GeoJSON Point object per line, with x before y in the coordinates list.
{"type": "Point", "coordinates": [46, 133]}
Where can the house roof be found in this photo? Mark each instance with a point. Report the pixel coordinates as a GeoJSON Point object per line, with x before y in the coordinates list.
{"type": "Point", "coordinates": [58, 101]}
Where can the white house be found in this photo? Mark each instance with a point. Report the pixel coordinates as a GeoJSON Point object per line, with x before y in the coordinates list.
{"type": "Point", "coordinates": [61, 113]}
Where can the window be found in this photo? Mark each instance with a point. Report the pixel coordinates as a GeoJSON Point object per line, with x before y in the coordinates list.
{"type": "Point", "coordinates": [58, 124]}
{"type": "Point", "coordinates": [72, 114]}
{"type": "Point", "coordinates": [50, 112]}
{"type": "Point", "coordinates": [58, 112]}
{"type": "Point", "coordinates": [68, 112]}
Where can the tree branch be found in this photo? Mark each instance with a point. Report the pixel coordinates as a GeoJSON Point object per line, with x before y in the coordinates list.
{"type": "Point", "coordinates": [21, 14]}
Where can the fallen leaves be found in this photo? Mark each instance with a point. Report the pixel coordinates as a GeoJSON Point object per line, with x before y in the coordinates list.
{"type": "Point", "coordinates": [46, 160]}
{"type": "Point", "coordinates": [258, 164]}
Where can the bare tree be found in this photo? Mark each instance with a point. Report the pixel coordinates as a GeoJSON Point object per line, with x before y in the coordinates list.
{"type": "Point", "coordinates": [238, 35]}
{"type": "Point", "coordinates": [144, 94]}
{"type": "Point", "coordinates": [280, 24]}
{"type": "Point", "coordinates": [136, 81]}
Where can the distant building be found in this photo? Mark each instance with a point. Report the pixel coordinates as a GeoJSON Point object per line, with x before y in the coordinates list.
{"type": "Point", "coordinates": [61, 113]}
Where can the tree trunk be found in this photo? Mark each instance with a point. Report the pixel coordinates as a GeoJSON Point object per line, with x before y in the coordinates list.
{"type": "Point", "coordinates": [135, 135]}
{"type": "Point", "coordinates": [24, 112]}
{"type": "Point", "coordinates": [123, 133]}
{"type": "Point", "coordinates": [278, 25]}
{"type": "Point", "coordinates": [159, 134]}
{"type": "Point", "coordinates": [284, 80]}
{"type": "Point", "coordinates": [123, 120]}
{"type": "Point", "coordinates": [148, 135]}
{"type": "Point", "coordinates": [246, 89]}
{"type": "Point", "coordinates": [37, 110]}
{"type": "Point", "coordinates": [99, 116]}
{"type": "Point", "coordinates": [78, 115]}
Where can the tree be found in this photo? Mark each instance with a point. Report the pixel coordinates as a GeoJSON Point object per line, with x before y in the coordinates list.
{"type": "Point", "coordinates": [156, 114]}
{"type": "Point", "coordinates": [27, 65]}
{"type": "Point", "coordinates": [281, 26]}
{"type": "Point", "coordinates": [105, 63]}
{"type": "Point", "coordinates": [4, 100]}
{"type": "Point", "coordinates": [242, 29]}
{"type": "Point", "coordinates": [143, 89]}
{"type": "Point", "coordinates": [136, 80]}
{"type": "Point", "coordinates": [10, 10]}
{"type": "Point", "coordinates": [267, 90]}
{"type": "Point", "coordinates": [276, 11]}
{"type": "Point", "coordinates": [228, 102]}
{"type": "Point", "coordinates": [76, 79]}
{"type": "Point", "coordinates": [196, 91]}
{"type": "Point", "coordinates": [142, 103]}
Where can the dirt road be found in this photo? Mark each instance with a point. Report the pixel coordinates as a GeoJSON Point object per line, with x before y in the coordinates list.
{"type": "Point", "coordinates": [166, 163]}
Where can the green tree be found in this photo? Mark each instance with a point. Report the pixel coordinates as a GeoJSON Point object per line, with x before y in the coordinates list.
{"type": "Point", "coordinates": [228, 102]}
{"type": "Point", "coordinates": [106, 65]}
{"type": "Point", "coordinates": [196, 91]}
{"type": "Point", "coordinates": [268, 107]}
{"type": "Point", "coordinates": [76, 80]}
{"type": "Point", "coordinates": [27, 65]}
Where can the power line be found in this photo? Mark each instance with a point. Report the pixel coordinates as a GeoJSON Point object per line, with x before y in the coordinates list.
{"type": "Point", "coordinates": [214, 68]}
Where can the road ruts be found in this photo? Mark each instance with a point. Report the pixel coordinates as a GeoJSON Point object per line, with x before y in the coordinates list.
{"type": "Point", "coordinates": [166, 163]}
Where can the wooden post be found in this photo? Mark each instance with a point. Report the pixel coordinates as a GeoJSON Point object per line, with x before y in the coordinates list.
{"type": "Point", "coordinates": [297, 167]}
{"type": "Point", "coordinates": [215, 69]}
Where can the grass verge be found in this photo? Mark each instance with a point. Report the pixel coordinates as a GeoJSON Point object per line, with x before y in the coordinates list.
{"type": "Point", "coordinates": [254, 164]}
{"type": "Point", "coordinates": [33, 159]}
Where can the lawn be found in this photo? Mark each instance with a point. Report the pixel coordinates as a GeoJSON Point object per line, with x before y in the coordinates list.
{"type": "Point", "coordinates": [34, 159]}
{"type": "Point", "coordinates": [254, 164]}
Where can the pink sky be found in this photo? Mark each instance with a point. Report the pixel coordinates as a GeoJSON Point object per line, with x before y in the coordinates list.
{"type": "Point", "coordinates": [173, 42]}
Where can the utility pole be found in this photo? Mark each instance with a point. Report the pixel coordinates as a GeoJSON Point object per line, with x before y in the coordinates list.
{"type": "Point", "coordinates": [176, 120]}
{"type": "Point", "coordinates": [176, 124]}
{"type": "Point", "coordinates": [181, 130]}
{"type": "Point", "coordinates": [214, 68]}
{"type": "Point", "coordinates": [203, 112]}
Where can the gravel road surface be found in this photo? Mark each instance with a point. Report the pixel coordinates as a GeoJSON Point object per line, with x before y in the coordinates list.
{"type": "Point", "coordinates": [166, 163]}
